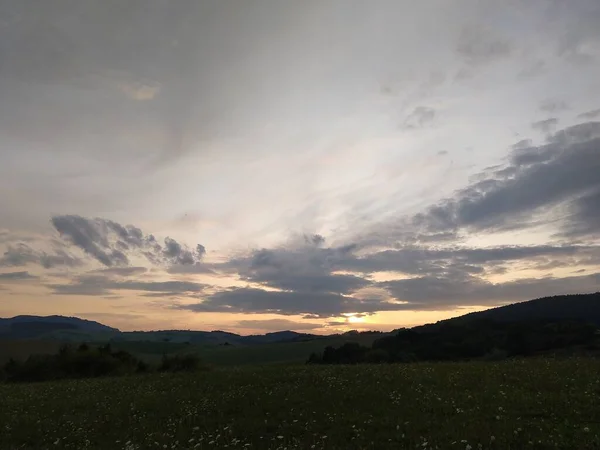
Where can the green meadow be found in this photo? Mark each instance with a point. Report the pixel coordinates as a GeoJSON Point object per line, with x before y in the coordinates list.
{"type": "Point", "coordinates": [518, 404]}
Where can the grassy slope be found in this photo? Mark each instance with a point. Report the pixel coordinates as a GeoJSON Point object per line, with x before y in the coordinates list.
{"type": "Point", "coordinates": [522, 404]}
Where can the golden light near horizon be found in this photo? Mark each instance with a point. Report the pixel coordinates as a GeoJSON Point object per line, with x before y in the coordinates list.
{"type": "Point", "coordinates": [355, 319]}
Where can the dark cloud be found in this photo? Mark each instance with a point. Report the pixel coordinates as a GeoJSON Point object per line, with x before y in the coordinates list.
{"type": "Point", "coordinates": [553, 105]}
{"type": "Point", "coordinates": [419, 118]}
{"type": "Point", "coordinates": [444, 292]}
{"type": "Point", "coordinates": [259, 301]}
{"type": "Point", "coordinates": [453, 291]}
{"type": "Point", "coordinates": [99, 285]}
{"type": "Point", "coordinates": [585, 216]}
{"type": "Point", "coordinates": [11, 276]}
{"type": "Point", "coordinates": [21, 254]}
{"type": "Point", "coordinates": [121, 271]}
{"type": "Point", "coordinates": [589, 115]}
{"type": "Point", "coordinates": [83, 285]}
{"type": "Point", "coordinates": [307, 269]}
{"type": "Point", "coordinates": [314, 239]}
{"type": "Point", "coordinates": [175, 253]}
{"type": "Point", "coordinates": [18, 255]}
{"type": "Point", "coordinates": [90, 235]}
{"type": "Point", "coordinates": [562, 173]}
{"type": "Point", "coordinates": [110, 243]}
{"type": "Point", "coordinates": [546, 126]}
{"type": "Point", "coordinates": [478, 46]}
{"type": "Point", "coordinates": [59, 258]}
{"type": "Point", "coordinates": [413, 260]}
{"type": "Point", "coordinates": [523, 144]}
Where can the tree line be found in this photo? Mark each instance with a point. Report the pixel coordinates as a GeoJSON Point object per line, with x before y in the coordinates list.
{"type": "Point", "coordinates": [87, 361]}
{"type": "Point", "coordinates": [481, 339]}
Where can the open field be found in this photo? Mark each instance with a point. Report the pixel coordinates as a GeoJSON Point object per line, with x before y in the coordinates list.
{"type": "Point", "coordinates": [238, 355]}
{"type": "Point", "coordinates": [218, 355]}
{"type": "Point", "coordinates": [507, 405]}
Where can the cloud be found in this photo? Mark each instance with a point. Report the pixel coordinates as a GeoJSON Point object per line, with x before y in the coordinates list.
{"type": "Point", "coordinates": [110, 243]}
{"type": "Point", "coordinates": [553, 105]}
{"type": "Point", "coordinates": [442, 292]}
{"type": "Point", "coordinates": [259, 301]}
{"type": "Point", "coordinates": [539, 179]}
{"type": "Point", "coordinates": [196, 268]}
{"type": "Point", "coordinates": [91, 236]}
{"type": "Point", "coordinates": [478, 46]}
{"type": "Point", "coordinates": [178, 254]}
{"type": "Point", "coordinates": [546, 126]}
{"type": "Point", "coordinates": [99, 285]}
{"type": "Point", "coordinates": [278, 325]}
{"type": "Point", "coordinates": [11, 276]}
{"type": "Point", "coordinates": [451, 292]}
{"type": "Point", "coordinates": [419, 118]}
{"type": "Point", "coordinates": [589, 115]}
{"type": "Point", "coordinates": [557, 180]}
{"type": "Point", "coordinates": [21, 254]}
{"type": "Point", "coordinates": [303, 268]}
{"type": "Point", "coordinates": [420, 260]}
{"type": "Point", "coordinates": [121, 271]}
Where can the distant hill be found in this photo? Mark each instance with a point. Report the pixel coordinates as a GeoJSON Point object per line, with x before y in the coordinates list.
{"type": "Point", "coordinates": [582, 307]}
{"type": "Point", "coordinates": [74, 329]}
{"type": "Point", "coordinates": [48, 327]}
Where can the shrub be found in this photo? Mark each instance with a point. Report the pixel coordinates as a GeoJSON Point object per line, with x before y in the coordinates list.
{"type": "Point", "coordinates": [85, 362]}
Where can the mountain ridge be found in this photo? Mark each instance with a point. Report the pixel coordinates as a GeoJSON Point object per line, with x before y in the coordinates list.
{"type": "Point", "coordinates": [581, 307]}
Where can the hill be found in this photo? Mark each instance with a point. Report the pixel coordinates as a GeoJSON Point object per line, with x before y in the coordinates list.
{"type": "Point", "coordinates": [575, 307]}
{"type": "Point", "coordinates": [48, 327]}
{"type": "Point", "coordinates": [563, 325]}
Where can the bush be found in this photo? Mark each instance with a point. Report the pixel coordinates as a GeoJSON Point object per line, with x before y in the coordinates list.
{"type": "Point", "coordinates": [85, 362]}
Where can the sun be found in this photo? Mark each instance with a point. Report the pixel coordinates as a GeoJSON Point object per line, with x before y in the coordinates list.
{"type": "Point", "coordinates": [355, 319]}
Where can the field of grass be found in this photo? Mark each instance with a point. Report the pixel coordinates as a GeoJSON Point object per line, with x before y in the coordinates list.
{"type": "Point", "coordinates": [237, 355]}
{"type": "Point", "coordinates": [276, 353]}
{"type": "Point", "coordinates": [507, 405]}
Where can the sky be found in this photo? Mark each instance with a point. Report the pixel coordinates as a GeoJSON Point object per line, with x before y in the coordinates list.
{"type": "Point", "coordinates": [319, 166]}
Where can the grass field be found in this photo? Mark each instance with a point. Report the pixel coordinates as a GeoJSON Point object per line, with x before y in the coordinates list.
{"type": "Point", "coordinates": [238, 355]}
{"type": "Point", "coordinates": [530, 404]}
